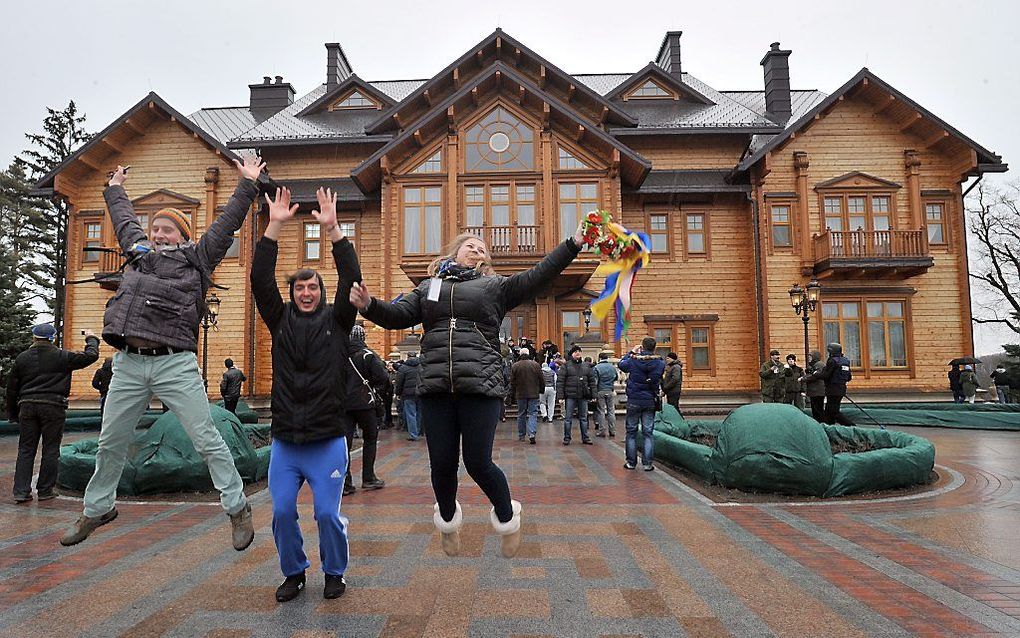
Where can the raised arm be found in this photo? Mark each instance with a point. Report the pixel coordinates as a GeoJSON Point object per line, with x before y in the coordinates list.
{"type": "Point", "coordinates": [263, 266]}
{"type": "Point", "coordinates": [122, 213]}
{"type": "Point", "coordinates": [79, 360]}
{"type": "Point", "coordinates": [348, 269]}
{"type": "Point", "coordinates": [217, 238]}
{"type": "Point", "coordinates": [402, 313]}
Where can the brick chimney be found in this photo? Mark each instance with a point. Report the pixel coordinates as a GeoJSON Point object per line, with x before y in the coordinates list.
{"type": "Point", "coordinates": [778, 104]}
{"type": "Point", "coordinates": [338, 68]}
{"type": "Point", "coordinates": [270, 97]}
{"type": "Point", "coordinates": [669, 53]}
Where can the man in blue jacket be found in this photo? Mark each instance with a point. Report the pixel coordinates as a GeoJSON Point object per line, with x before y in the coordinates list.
{"type": "Point", "coordinates": [644, 369]}
{"type": "Point", "coordinates": [605, 397]}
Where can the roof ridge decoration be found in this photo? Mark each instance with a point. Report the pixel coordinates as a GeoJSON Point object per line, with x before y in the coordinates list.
{"type": "Point", "coordinates": [992, 163]}
{"type": "Point", "coordinates": [353, 81]}
{"type": "Point", "coordinates": [500, 71]}
{"type": "Point", "coordinates": [152, 100]}
{"type": "Point", "coordinates": [655, 71]}
{"type": "Point", "coordinates": [505, 46]}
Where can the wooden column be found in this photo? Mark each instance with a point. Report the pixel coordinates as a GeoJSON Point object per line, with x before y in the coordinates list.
{"type": "Point", "coordinates": [550, 218]}
{"type": "Point", "coordinates": [912, 163]}
{"type": "Point", "coordinates": [807, 247]}
{"type": "Point", "coordinates": [212, 178]}
{"type": "Point", "coordinates": [543, 319]}
{"type": "Point", "coordinates": [452, 196]}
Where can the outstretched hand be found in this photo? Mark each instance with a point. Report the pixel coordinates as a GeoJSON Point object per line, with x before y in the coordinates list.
{"type": "Point", "coordinates": [119, 176]}
{"type": "Point", "coordinates": [280, 208]}
{"type": "Point", "coordinates": [326, 215]}
{"type": "Point", "coordinates": [360, 298]}
{"type": "Point", "coordinates": [252, 167]}
{"type": "Point", "coordinates": [579, 235]}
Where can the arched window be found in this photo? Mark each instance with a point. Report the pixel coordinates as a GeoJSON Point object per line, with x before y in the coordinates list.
{"type": "Point", "coordinates": [500, 142]}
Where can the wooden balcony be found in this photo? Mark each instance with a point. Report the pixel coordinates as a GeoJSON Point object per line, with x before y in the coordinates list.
{"type": "Point", "coordinates": [513, 249]}
{"type": "Point", "coordinates": [882, 253]}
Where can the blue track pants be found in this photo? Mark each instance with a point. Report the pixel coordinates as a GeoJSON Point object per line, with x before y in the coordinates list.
{"type": "Point", "coordinates": [323, 464]}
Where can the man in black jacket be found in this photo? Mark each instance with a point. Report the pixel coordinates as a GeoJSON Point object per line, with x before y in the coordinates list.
{"type": "Point", "coordinates": [406, 387]}
{"type": "Point", "coordinates": [836, 375]}
{"type": "Point", "coordinates": [153, 321]}
{"type": "Point", "coordinates": [230, 386]}
{"type": "Point", "coordinates": [365, 373]}
{"type": "Point", "coordinates": [310, 348]}
{"type": "Point", "coordinates": [101, 382]}
{"type": "Point", "coordinates": [37, 392]}
{"type": "Point", "coordinates": [575, 384]}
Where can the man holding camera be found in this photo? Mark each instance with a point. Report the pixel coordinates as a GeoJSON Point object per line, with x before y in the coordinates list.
{"type": "Point", "coordinates": [153, 322]}
{"type": "Point", "coordinates": [37, 392]}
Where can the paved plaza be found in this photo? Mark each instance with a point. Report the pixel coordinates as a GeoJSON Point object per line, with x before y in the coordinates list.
{"type": "Point", "coordinates": [607, 552]}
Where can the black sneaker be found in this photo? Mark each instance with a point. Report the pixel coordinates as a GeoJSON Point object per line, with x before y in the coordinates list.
{"type": "Point", "coordinates": [649, 468]}
{"type": "Point", "coordinates": [629, 466]}
{"type": "Point", "coordinates": [587, 442]}
{"type": "Point", "coordinates": [349, 489]}
{"type": "Point", "coordinates": [600, 435]}
{"type": "Point", "coordinates": [47, 497]}
{"type": "Point", "coordinates": [520, 437]}
{"type": "Point", "coordinates": [290, 588]}
{"type": "Point", "coordinates": [566, 441]}
{"type": "Point", "coordinates": [612, 435]}
{"type": "Point", "coordinates": [373, 484]}
{"type": "Point", "coordinates": [335, 587]}
{"type": "Point", "coordinates": [531, 440]}
{"type": "Point", "coordinates": [23, 498]}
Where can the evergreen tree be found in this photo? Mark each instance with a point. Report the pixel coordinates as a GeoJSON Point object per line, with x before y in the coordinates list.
{"type": "Point", "coordinates": [23, 232]}
{"type": "Point", "coordinates": [63, 133]}
{"type": "Point", "coordinates": [16, 319]}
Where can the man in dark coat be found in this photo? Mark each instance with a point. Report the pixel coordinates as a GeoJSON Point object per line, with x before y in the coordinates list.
{"type": "Point", "coordinates": [793, 390]}
{"type": "Point", "coordinates": [37, 391]}
{"type": "Point", "coordinates": [575, 384]}
{"type": "Point", "coordinates": [310, 350]}
{"type": "Point", "coordinates": [815, 388]}
{"type": "Point", "coordinates": [230, 386]}
{"type": "Point", "coordinates": [406, 387]}
{"type": "Point", "coordinates": [527, 383]}
{"type": "Point", "coordinates": [836, 374]}
{"type": "Point", "coordinates": [954, 384]}
{"type": "Point", "coordinates": [673, 380]}
{"type": "Point", "coordinates": [773, 383]}
{"type": "Point", "coordinates": [101, 382]}
{"type": "Point", "coordinates": [549, 351]}
{"type": "Point", "coordinates": [644, 371]}
{"type": "Point", "coordinates": [365, 372]}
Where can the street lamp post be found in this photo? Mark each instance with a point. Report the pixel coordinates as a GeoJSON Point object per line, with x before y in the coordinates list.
{"type": "Point", "coordinates": [804, 302]}
{"type": "Point", "coordinates": [587, 319]}
{"type": "Point", "coordinates": [209, 319]}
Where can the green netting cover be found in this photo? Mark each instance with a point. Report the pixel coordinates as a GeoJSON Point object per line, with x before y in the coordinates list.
{"type": "Point", "coordinates": [945, 415]}
{"type": "Point", "coordinates": [773, 448]}
{"type": "Point", "coordinates": [244, 412]}
{"type": "Point", "coordinates": [162, 459]}
{"type": "Point", "coordinates": [77, 422]}
{"type": "Point", "coordinates": [902, 460]}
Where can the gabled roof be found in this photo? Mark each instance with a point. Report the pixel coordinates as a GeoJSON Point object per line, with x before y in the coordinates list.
{"type": "Point", "coordinates": [152, 100]}
{"type": "Point", "coordinates": [860, 175]}
{"type": "Point", "coordinates": [502, 42]}
{"type": "Point", "coordinates": [689, 181]}
{"type": "Point", "coordinates": [987, 160]}
{"type": "Point", "coordinates": [164, 193]}
{"type": "Point", "coordinates": [352, 82]}
{"type": "Point", "coordinates": [225, 122]}
{"type": "Point", "coordinates": [653, 70]}
{"type": "Point", "coordinates": [502, 71]}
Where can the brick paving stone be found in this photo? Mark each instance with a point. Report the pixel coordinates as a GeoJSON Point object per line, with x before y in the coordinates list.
{"type": "Point", "coordinates": [606, 552]}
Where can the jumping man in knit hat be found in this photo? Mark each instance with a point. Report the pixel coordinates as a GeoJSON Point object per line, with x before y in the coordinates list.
{"type": "Point", "coordinates": [152, 321]}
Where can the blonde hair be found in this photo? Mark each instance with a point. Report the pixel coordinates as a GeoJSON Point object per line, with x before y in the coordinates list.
{"type": "Point", "coordinates": [485, 267]}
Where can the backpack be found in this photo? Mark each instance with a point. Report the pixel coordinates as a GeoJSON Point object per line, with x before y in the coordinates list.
{"type": "Point", "coordinates": [843, 374]}
{"type": "Point", "coordinates": [372, 398]}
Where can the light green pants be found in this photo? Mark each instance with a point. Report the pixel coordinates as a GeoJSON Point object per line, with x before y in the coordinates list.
{"type": "Point", "coordinates": [176, 380]}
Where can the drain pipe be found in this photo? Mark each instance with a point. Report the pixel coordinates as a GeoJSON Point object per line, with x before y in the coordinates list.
{"type": "Point", "coordinates": [758, 284]}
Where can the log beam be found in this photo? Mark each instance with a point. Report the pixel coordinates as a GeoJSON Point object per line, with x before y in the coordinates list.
{"type": "Point", "coordinates": [909, 122]}
{"type": "Point", "coordinates": [936, 139]}
{"type": "Point", "coordinates": [885, 104]}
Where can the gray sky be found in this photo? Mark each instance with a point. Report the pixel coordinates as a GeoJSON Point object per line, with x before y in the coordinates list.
{"type": "Point", "coordinates": [958, 59]}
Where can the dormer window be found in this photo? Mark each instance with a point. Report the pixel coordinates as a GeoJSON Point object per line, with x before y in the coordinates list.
{"type": "Point", "coordinates": [354, 100]}
{"type": "Point", "coordinates": [434, 164]}
{"type": "Point", "coordinates": [650, 90]}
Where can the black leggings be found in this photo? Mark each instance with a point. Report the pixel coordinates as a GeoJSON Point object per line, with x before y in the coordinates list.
{"type": "Point", "coordinates": [471, 418]}
{"type": "Point", "coordinates": [369, 424]}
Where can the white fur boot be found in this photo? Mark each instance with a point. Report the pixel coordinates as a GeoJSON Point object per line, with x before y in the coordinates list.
{"type": "Point", "coordinates": [509, 532]}
{"type": "Point", "coordinates": [449, 531]}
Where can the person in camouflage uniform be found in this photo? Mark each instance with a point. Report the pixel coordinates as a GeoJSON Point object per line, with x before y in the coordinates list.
{"type": "Point", "coordinates": [773, 381]}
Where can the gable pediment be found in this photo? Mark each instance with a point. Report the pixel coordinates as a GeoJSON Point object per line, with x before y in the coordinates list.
{"type": "Point", "coordinates": [334, 98]}
{"type": "Point", "coordinates": [164, 198]}
{"type": "Point", "coordinates": [652, 82]}
{"type": "Point", "coordinates": [857, 180]}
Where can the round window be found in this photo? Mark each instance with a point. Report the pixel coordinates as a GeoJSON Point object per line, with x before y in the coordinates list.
{"type": "Point", "coordinates": [499, 142]}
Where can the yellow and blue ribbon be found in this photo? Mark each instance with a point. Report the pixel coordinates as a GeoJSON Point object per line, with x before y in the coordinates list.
{"type": "Point", "coordinates": [620, 275]}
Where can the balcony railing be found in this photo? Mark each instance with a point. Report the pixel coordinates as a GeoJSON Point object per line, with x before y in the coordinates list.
{"type": "Point", "coordinates": [509, 240]}
{"type": "Point", "coordinates": [871, 245]}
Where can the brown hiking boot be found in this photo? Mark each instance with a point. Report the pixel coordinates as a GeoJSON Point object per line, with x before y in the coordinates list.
{"type": "Point", "coordinates": [84, 526]}
{"type": "Point", "coordinates": [242, 529]}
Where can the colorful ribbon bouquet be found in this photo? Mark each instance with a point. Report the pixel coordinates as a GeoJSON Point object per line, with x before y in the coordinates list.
{"type": "Point", "coordinates": [627, 252]}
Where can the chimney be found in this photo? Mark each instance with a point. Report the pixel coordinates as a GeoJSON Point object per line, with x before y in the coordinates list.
{"type": "Point", "coordinates": [269, 98]}
{"type": "Point", "coordinates": [338, 68]}
{"type": "Point", "coordinates": [669, 53]}
{"type": "Point", "coordinates": [778, 105]}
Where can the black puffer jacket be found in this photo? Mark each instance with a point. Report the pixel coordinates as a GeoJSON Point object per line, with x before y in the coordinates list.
{"type": "Point", "coordinates": [42, 374]}
{"type": "Point", "coordinates": [460, 351]}
{"type": "Point", "coordinates": [408, 376]}
{"type": "Point", "coordinates": [575, 380]}
{"type": "Point", "coordinates": [367, 374]}
{"type": "Point", "coordinates": [309, 349]}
